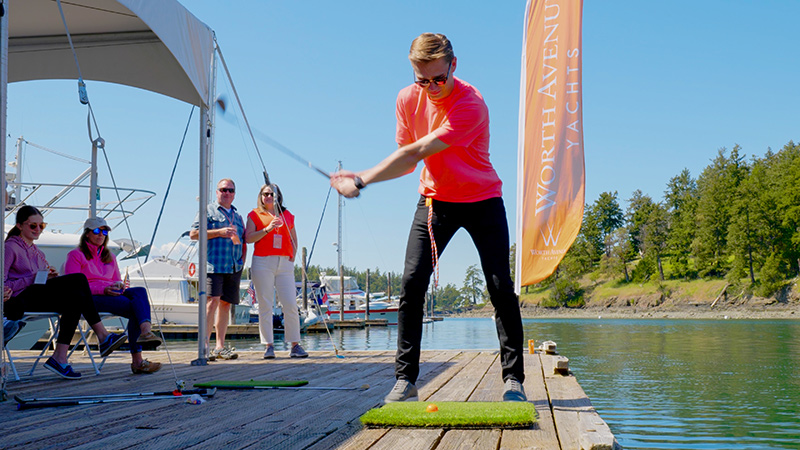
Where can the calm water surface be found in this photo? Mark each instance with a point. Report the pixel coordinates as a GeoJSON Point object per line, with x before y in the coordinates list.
{"type": "Point", "coordinates": [660, 384]}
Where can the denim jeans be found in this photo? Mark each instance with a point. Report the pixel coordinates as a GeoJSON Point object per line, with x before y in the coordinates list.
{"type": "Point", "coordinates": [132, 305]}
{"type": "Point", "coordinates": [486, 223]}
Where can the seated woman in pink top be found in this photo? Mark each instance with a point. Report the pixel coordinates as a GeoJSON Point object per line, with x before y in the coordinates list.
{"type": "Point", "coordinates": [93, 259]}
{"type": "Point", "coordinates": [32, 285]}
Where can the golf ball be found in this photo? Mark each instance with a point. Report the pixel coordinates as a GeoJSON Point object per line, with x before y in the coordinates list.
{"type": "Point", "coordinates": [432, 407]}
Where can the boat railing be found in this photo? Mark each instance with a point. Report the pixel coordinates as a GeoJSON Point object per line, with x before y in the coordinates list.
{"type": "Point", "coordinates": [127, 201]}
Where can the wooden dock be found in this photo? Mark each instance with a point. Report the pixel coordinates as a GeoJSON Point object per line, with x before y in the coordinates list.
{"type": "Point", "coordinates": [294, 419]}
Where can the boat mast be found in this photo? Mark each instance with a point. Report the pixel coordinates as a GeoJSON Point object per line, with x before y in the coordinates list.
{"type": "Point", "coordinates": [339, 235]}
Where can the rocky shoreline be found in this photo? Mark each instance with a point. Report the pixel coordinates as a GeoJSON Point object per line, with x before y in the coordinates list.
{"type": "Point", "coordinates": [790, 310]}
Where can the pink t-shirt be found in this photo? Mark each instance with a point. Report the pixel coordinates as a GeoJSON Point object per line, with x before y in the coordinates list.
{"type": "Point", "coordinates": [462, 172]}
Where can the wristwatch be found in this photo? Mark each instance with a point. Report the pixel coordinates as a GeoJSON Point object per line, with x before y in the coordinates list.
{"type": "Point", "coordinates": [359, 183]}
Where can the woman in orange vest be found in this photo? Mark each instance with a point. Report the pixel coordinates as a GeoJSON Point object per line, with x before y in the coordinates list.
{"type": "Point", "coordinates": [271, 227]}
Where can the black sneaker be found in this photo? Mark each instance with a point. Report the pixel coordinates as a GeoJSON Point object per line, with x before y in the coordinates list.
{"type": "Point", "coordinates": [62, 371]}
{"type": "Point", "coordinates": [403, 390]}
{"type": "Point", "coordinates": [514, 391]}
{"type": "Point", "coordinates": [113, 341]}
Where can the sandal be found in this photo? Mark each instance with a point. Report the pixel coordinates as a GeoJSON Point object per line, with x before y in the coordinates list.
{"type": "Point", "coordinates": [146, 367]}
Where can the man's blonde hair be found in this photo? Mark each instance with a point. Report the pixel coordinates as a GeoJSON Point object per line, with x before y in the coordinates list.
{"type": "Point", "coordinates": [430, 47]}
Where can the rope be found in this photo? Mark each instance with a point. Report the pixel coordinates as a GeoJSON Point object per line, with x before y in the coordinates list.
{"type": "Point", "coordinates": [434, 250]}
{"type": "Point", "coordinates": [169, 185]}
{"type": "Point", "coordinates": [74, 158]}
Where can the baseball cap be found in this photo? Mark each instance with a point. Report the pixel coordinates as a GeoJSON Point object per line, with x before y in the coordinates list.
{"type": "Point", "coordinates": [95, 222]}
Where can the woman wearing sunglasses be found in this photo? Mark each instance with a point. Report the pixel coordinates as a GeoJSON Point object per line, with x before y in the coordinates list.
{"type": "Point", "coordinates": [93, 259]}
{"type": "Point", "coordinates": [271, 227]}
{"type": "Point", "coordinates": [36, 287]}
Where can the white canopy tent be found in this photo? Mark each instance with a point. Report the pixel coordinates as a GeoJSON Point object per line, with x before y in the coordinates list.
{"type": "Point", "coordinates": [156, 45]}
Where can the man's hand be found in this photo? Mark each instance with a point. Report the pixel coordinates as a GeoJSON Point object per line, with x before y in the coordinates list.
{"type": "Point", "coordinates": [344, 183]}
{"type": "Point", "coordinates": [6, 293]}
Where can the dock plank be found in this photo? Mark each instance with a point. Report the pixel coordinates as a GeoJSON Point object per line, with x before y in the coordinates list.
{"type": "Point", "coordinates": [469, 439]}
{"type": "Point", "coordinates": [542, 435]}
{"type": "Point", "coordinates": [408, 439]}
{"type": "Point", "coordinates": [578, 424]}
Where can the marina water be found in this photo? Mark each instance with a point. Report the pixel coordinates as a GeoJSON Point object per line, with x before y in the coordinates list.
{"type": "Point", "coordinates": [659, 384]}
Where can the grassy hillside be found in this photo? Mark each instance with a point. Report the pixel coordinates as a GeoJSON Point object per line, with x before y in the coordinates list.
{"type": "Point", "coordinates": [616, 293]}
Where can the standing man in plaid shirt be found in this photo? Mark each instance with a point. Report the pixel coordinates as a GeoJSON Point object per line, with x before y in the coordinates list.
{"type": "Point", "coordinates": [226, 255]}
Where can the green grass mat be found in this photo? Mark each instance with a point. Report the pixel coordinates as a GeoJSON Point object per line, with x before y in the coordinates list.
{"type": "Point", "coordinates": [222, 384]}
{"type": "Point", "coordinates": [452, 415]}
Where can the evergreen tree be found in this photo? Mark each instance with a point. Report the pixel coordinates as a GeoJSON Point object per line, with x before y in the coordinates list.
{"type": "Point", "coordinates": [654, 234]}
{"type": "Point", "coordinates": [473, 285]}
{"type": "Point", "coordinates": [680, 201]}
{"type": "Point", "coordinates": [716, 187]}
{"type": "Point", "coordinates": [640, 207]}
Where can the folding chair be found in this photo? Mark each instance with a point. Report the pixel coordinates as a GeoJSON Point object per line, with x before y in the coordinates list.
{"type": "Point", "coordinates": [53, 318]}
{"type": "Point", "coordinates": [86, 332]}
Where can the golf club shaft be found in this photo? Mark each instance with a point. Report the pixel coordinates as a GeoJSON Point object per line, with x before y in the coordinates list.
{"type": "Point", "coordinates": [294, 388]}
{"type": "Point", "coordinates": [282, 148]}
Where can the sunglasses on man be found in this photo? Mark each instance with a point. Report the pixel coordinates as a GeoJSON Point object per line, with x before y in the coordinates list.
{"type": "Point", "coordinates": [441, 80]}
{"type": "Point", "coordinates": [228, 190]}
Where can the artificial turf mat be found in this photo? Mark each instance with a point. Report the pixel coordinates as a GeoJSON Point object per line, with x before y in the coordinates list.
{"type": "Point", "coordinates": [229, 384]}
{"type": "Point", "coordinates": [452, 415]}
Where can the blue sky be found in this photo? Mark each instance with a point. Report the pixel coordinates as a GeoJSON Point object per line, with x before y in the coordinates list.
{"type": "Point", "coordinates": [665, 85]}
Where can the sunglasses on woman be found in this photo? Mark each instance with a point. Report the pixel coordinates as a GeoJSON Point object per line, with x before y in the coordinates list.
{"type": "Point", "coordinates": [268, 194]}
{"type": "Point", "coordinates": [40, 226]}
{"type": "Point", "coordinates": [103, 231]}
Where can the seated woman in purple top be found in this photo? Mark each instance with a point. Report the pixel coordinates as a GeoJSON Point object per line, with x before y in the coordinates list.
{"type": "Point", "coordinates": [36, 287]}
{"type": "Point", "coordinates": [93, 259]}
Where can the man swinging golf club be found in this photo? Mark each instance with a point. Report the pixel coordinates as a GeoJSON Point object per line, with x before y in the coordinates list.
{"type": "Point", "coordinates": [444, 122]}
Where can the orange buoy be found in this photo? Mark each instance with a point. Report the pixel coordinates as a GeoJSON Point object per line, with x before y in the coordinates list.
{"type": "Point", "coordinates": [432, 407]}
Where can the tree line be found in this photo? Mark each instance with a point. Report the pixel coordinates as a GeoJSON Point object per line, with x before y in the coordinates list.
{"type": "Point", "coordinates": [738, 220]}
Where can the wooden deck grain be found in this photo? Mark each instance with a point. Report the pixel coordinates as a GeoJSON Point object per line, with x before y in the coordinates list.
{"type": "Point", "coordinates": [294, 419]}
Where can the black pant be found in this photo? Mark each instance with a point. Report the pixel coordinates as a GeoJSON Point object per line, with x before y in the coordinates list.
{"type": "Point", "coordinates": [68, 295]}
{"type": "Point", "coordinates": [485, 221]}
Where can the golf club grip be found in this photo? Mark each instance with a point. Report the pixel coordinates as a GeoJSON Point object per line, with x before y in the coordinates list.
{"type": "Point", "coordinates": [31, 405]}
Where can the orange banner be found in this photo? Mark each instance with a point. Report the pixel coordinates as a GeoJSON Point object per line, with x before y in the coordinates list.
{"type": "Point", "coordinates": [550, 178]}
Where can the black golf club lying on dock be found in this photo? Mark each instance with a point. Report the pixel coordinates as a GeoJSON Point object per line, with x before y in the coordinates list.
{"type": "Point", "coordinates": [46, 402]}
